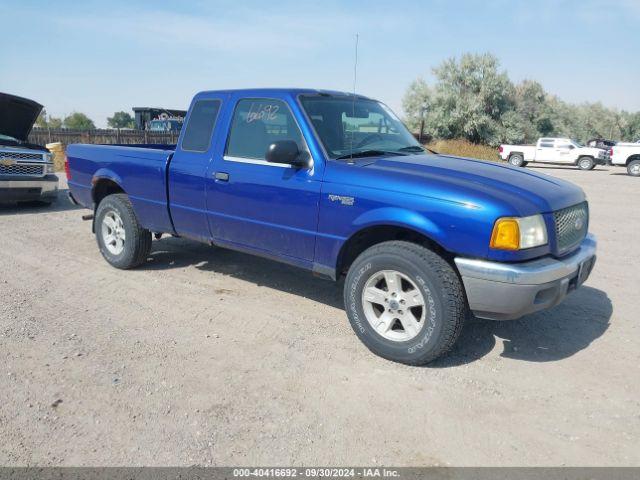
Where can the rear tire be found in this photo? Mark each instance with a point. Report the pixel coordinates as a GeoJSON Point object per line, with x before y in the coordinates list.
{"type": "Point", "coordinates": [586, 163]}
{"type": "Point", "coordinates": [517, 160]}
{"type": "Point", "coordinates": [122, 241]}
{"type": "Point", "coordinates": [633, 168]}
{"type": "Point", "coordinates": [404, 302]}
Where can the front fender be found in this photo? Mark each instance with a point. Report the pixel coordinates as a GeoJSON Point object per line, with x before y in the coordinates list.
{"type": "Point", "coordinates": [398, 217]}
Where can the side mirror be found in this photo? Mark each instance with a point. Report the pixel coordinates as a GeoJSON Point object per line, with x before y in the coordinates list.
{"type": "Point", "coordinates": [286, 151]}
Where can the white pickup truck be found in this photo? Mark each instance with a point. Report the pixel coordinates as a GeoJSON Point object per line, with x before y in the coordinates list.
{"type": "Point", "coordinates": [563, 151]}
{"type": "Point", "coordinates": [627, 155]}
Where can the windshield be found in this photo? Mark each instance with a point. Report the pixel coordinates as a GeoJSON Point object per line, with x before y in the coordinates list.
{"type": "Point", "coordinates": [576, 144]}
{"type": "Point", "coordinates": [354, 127]}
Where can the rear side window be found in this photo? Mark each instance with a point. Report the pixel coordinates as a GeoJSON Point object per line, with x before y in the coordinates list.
{"type": "Point", "coordinates": [197, 136]}
{"type": "Point", "coordinates": [546, 145]}
{"type": "Point", "coordinates": [257, 123]}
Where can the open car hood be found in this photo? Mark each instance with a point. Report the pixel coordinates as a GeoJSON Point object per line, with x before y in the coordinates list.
{"type": "Point", "coordinates": [17, 116]}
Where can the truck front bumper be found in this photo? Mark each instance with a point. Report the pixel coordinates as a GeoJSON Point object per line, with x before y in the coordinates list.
{"type": "Point", "coordinates": [506, 291]}
{"type": "Point", "coordinates": [15, 189]}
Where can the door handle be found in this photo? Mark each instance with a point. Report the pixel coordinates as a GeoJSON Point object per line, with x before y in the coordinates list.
{"type": "Point", "coordinates": [221, 176]}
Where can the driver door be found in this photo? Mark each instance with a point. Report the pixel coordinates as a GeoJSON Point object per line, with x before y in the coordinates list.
{"type": "Point", "coordinates": [253, 204]}
{"type": "Point", "coordinates": [564, 152]}
{"type": "Point", "coordinates": [546, 152]}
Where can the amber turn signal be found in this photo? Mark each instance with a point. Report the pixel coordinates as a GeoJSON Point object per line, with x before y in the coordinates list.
{"type": "Point", "coordinates": [506, 234]}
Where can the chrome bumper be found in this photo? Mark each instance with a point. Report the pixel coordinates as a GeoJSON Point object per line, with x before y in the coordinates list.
{"type": "Point", "coordinates": [31, 189]}
{"type": "Point", "coordinates": [505, 291]}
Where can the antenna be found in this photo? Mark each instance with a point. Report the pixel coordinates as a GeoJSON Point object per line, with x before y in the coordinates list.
{"type": "Point", "coordinates": [353, 102]}
{"type": "Point", "coordinates": [355, 68]}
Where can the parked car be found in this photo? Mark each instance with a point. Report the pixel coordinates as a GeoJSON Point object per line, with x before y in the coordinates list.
{"type": "Point", "coordinates": [627, 155]}
{"type": "Point", "coordinates": [302, 177]}
{"type": "Point", "coordinates": [562, 151]}
{"type": "Point", "coordinates": [26, 170]}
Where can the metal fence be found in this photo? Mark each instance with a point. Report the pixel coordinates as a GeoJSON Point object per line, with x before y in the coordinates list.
{"type": "Point", "coordinates": [42, 136]}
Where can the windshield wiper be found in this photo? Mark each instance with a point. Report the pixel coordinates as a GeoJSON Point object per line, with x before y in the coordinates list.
{"type": "Point", "coordinates": [369, 153]}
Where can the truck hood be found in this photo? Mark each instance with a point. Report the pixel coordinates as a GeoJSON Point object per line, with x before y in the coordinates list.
{"type": "Point", "coordinates": [17, 116]}
{"type": "Point", "coordinates": [469, 181]}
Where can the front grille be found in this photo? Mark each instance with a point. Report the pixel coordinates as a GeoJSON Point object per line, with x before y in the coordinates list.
{"type": "Point", "coordinates": [22, 169]}
{"type": "Point", "coordinates": [572, 224]}
{"type": "Point", "coordinates": [21, 156]}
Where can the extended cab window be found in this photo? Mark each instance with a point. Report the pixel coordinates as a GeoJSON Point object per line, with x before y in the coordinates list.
{"type": "Point", "coordinates": [197, 136]}
{"type": "Point", "coordinates": [257, 123]}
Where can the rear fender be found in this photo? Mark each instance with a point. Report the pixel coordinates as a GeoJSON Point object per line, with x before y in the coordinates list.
{"type": "Point", "coordinates": [102, 174]}
{"type": "Point", "coordinates": [105, 174]}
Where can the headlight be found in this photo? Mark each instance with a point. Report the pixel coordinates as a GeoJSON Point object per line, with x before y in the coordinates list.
{"type": "Point", "coordinates": [49, 168]}
{"type": "Point", "coordinates": [511, 233]}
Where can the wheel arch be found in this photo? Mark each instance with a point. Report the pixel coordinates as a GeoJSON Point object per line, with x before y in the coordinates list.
{"type": "Point", "coordinates": [371, 235]}
{"type": "Point", "coordinates": [104, 184]}
{"type": "Point", "coordinates": [631, 158]}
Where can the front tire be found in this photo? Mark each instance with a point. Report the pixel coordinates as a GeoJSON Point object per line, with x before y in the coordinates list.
{"type": "Point", "coordinates": [404, 302]}
{"type": "Point", "coordinates": [633, 168]}
{"type": "Point", "coordinates": [517, 160]}
{"type": "Point", "coordinates": [122, 241]}
{"type": "Point", "coordinates": [586, 163]}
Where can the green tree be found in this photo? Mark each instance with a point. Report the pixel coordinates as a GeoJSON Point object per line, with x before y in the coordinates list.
{"type": "Point", "coordinates": [532, 107]}
{"type": "Point", "coordinates": [416, 102]}
{"type": "Point", "coordinates": [467, 101]}
{"type": "Point", "coordinates": [78, 121]}
{"type": "Point", "coordinates": [471, 96]}
{"type": "Point", "coordinates": [120, 120]}
{"type": "Point", "coordinates": [47, 121]}
{"type": "Point", "coordinates": [41, 121]}
{"type": "Point", "coordinates": [54, 123]}
{"type": "Point", "coordinates": [630, 126]}
{"type": "Point", "coordinates": [472, 99]}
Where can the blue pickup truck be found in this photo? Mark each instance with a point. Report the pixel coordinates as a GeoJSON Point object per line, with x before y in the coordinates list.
{"type": "Point", "coordinates": [334, 183]}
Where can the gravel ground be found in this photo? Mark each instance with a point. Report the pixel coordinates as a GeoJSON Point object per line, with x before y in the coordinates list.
{"type": "Point", "coordinates": [210, 357]}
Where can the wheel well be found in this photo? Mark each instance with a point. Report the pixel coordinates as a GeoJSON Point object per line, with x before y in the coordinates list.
{"type": "Point", "coordinates": [104, 187]}
{"type": "Point", "coordinates": [632, 158]}
{"type": "Point", "coordinates": [371, 236]}
{"type": "Point", "coordinates": [516, 153]}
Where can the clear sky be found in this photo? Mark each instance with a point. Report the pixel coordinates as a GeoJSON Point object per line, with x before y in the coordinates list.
{"type": "Point", "coordinates": [101, 56]}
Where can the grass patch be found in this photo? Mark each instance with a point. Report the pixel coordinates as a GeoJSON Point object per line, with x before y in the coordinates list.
{"type": "Point", "coordinates": [464, 148]}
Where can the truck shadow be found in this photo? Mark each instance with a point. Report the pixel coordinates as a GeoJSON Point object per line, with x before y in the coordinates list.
{"type": "Point", "coordinates": [541, 337]}
{"type": "Point", "coordinates": [597, 168]}
{"type": "Point", "coordinates": [169, 253]}
{"type": "Point", "coordinates": [62, 204]}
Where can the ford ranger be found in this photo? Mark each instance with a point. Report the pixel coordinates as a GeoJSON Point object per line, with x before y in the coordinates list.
{"type": "Point", "coordinates": [334, 183]}
{"type": "Point", "coordinates": [561, 151]}
{"type": "Point", "coordinates": [26, 170]}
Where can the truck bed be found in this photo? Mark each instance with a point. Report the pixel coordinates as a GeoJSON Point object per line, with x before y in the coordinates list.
{"type": "Point", "coordinates": [139, 169]}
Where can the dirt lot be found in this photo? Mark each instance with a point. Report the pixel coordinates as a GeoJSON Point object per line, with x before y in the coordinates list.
{"type": "Point", "coordinates": [210, 357]}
